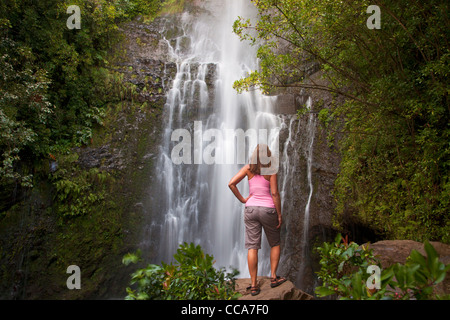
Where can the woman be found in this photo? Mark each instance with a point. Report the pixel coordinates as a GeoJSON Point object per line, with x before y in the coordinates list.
{"type": "Point", "coordinates": [262, 210]}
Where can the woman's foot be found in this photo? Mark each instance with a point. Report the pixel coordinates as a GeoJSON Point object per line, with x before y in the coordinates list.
{"type": "Point", "coordinates": [255, 290]}
{"type": "Point", "coordinates": [275, 282]}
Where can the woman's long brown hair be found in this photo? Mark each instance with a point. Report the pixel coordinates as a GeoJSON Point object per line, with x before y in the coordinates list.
{"type": "Point", "coordinates": [262, 152]}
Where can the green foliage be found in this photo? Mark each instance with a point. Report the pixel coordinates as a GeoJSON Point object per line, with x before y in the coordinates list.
{"type": "Point", "coordinates": [24, 109]}
{"type": "Point", "coordinates": [54, 84]}
{"type": "Point", "coordinates": [343, 268]}
{"type": "Point", "coordinates": [395, 121]}
{"type": "Point", "coordinates": [173, 6]}
{"type": "Point", "coordinates": [133, 8]}
{"type": "Point", "coordinates": [192, 277]}
{"type": "Point", "coordinates": [344, 273]}
{"type": "Point", "coordinates": [419, 276]}
{"type": "Point", "coordinates": [77, 190]}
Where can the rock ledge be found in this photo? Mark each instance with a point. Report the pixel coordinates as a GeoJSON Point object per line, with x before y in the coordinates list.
{"type": "Point", "coordinates": [286, 291]}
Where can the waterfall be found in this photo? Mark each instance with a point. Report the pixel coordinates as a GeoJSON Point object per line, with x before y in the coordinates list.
{"type": "Point", "coordinates": [309, 156]}
{"type": "Point", "coordinates": [204, 117]}
{"type": "Point", "coordinates": [310, 133]}
{"type": "Point", "coordinates": [204, 120]}
{"type": "Point", "coordinates": [296, 189]}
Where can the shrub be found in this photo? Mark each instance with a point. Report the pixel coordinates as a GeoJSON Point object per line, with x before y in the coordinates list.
{"type": "Point", "coordinates": [344, 273]}
{"type": "Point", "coordinates": [192, 277]}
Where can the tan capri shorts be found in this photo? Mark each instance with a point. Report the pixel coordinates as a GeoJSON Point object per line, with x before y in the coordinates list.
{"type": "Point", "coordinates": [255, 219]}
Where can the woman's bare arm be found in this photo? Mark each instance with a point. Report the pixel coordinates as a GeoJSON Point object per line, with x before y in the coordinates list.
{"type": "Point", "coordinates": [276, 197]}
{"type": "Point", "coordinates": [235, 180]}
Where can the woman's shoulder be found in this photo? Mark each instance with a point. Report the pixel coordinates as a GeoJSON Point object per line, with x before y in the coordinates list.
{"type": "Point", "coordinates": [247, 171]}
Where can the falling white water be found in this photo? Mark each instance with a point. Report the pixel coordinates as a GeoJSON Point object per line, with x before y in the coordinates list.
{"type": "Point", "coordinates": [310, 133]}
{"type": "Point", "coordinates": [195, 202]}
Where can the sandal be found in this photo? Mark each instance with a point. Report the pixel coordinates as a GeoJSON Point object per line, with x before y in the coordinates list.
{"type": "Point", "coordinates": [255, 290]}
{"type": "Point", "coordinates": [275, 282]}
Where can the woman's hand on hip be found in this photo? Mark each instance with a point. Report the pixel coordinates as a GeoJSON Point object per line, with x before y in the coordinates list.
{"type": "Point", "coordinates": [246, 199]}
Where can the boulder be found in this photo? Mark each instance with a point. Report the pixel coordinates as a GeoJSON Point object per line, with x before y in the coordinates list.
{"type": "Point", "coordinates": [390, 252]}
{"type": "Point", "coordinates": [285, 291]}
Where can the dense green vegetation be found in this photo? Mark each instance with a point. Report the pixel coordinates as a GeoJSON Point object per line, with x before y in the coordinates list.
{"type": "Point", "coordinates": [61, 91]}
{"type": "Point", "coordinates": [395, 121]}
{"type": "Point", "coordinates": [55, 85]}
{"type": "Point", "coordinates": [344, 273]}
{"type": "Point", "coordinates": [192, 277]}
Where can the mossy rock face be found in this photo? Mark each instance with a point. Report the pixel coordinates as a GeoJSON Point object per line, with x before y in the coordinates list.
{"type": "Point", "coordinates": [39, 240]}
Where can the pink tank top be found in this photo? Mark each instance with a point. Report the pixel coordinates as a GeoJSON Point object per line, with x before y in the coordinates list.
{"type": "Point", "coordinates": [260, 191]}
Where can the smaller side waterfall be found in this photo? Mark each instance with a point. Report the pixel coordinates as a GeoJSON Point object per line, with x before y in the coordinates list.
{"type": "Point", "coordinates": [299, 193]}
{"type": "Point", "coordinates": [310, 133]}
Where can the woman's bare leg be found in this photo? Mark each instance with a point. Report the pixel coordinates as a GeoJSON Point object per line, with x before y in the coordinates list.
{"type": "Point", "coordinates": [252, 260]}
{"type": "Point", "coordinates": [274, 260]}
